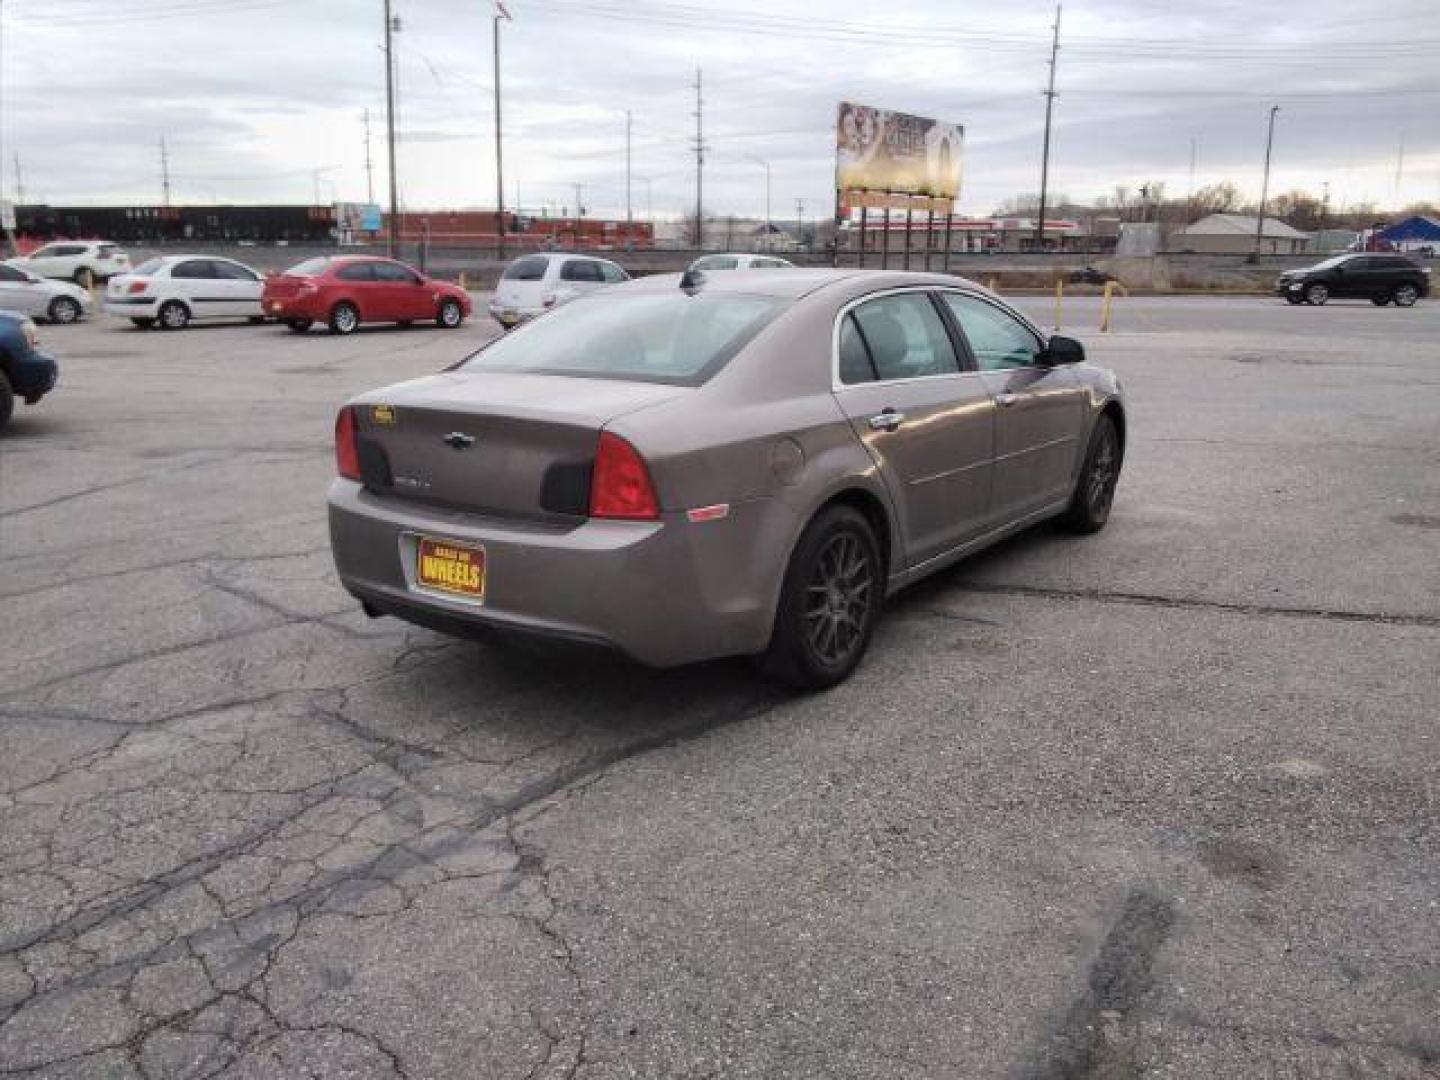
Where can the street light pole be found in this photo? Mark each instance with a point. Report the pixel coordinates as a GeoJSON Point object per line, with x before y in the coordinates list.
{"type": "Point", "coordinates": [629, 210]}
{"type": "Point", "coordinates": [1045, 153]}
{"type": "Point", "coordinates": [390, 126]}
{"type": "Point", "coordinates": [1265, 181]}
{"type": "Point", "coordinates": [500, 13]}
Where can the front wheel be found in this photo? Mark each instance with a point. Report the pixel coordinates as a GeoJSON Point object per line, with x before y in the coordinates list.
{"type": "Point", "coordinates": [173, 315]}
{"type": "Point", "coordinates": [1291, 298]}
{"type": "Point", "coordinates": [1405, 295]}
{"type": "Point", "coordinates": [64, 310]}
{"type": "Point", "coordinates": [7, 401]}
{"type": "Point", "coordinates": [1317, 294]}
{"type": "Point", "coordinates": [829, 602]}
{"type": "Point", "coordinates": [1379, 301]}
{"type": "Point", "coordinates": [1094, 493]}
{"type": "Point", "coordinates": [344, 318]}
{"type": "Point", "coordinates": [450, 315]}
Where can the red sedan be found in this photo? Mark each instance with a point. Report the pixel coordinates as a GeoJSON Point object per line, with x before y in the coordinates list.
{"type": "Point", "coordinates": [344, 291]}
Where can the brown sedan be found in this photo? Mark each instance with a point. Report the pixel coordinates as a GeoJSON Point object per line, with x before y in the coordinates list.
{"type": "Point", "coordinates": [683, 468]}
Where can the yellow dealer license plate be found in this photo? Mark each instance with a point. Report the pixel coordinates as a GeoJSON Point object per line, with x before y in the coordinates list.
{"type": "Point", "coordinates": [450, 567]}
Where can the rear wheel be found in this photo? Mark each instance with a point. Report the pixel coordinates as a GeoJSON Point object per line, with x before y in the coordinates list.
{"type": "Point", "coordinates": [7, 401]}
{"type": "Point", "coordinates": [1317, 294]}
{"type": "Point", "coordinates": [298, 325]}
{"type": "Point", "coordinates": [143, 324]}
{"type": "Point", "coordinates": [1089, 507]}
{"type": "Point", "coordinates": [173, 315]}
{"type": "Point", "coordinates": [344, 318]}
{"type": "Point", "coordinates": [829, 602]}
{"type": "Point", "coordinates": [450, 315]}
{"type": "Point", "coordinates": [1405, 295]}
{"type": "Point", "coordinates": [64, 309]}
{"type": "Point", "coordinates": [1291, 298]}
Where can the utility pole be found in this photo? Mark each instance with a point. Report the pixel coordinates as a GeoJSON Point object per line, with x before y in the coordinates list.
{"type": "Point", "coordinates": [799, 221]}
{"type": "Point", "coordinates": [629, 211]}
{"type": "Point", "coordinates": [369, 165]}
{"type": "Point", "coordinates": [390, 128]}
{"type": "Point", "coordinates": [19, 181]}
{"type": "Point", "coordinates": [1265, 180]}
{"type": "Point", "coordinates": [1045, 154]}
{"type": "Point", "coordinates": [1399, 169]}
{"type": "Point", "coordinates": [500, 13]}
{"type": "Point", "coordinates": [699, 164]}
{"type": "Point", "coordinates": [1190, 201]}
{"type": "Point", "coordinates": [164, 172]}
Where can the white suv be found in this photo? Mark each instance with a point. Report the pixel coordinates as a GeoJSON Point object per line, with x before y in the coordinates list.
{"type": "Point", "coordinates": [533, 284]}
{"type": "Point", "coordinates": [80, 261]}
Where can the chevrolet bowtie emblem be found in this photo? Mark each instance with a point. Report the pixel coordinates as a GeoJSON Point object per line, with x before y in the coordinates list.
{"type": "Point", "coordinates": [458, 440]}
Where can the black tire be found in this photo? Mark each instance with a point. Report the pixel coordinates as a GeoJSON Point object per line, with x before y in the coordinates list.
{"type": "Point", "coordinates": [64, 310]}
{"type": "Point", "coordinates": [143, 324]}
{"type": "Point", "coordinates": [1291, 298]}
{"type": "Point", "coordinates": [256, 320]}
{"type": "Point", "coordinates": [7, 401]}
{"type": "Point", "coordinates": [298, 325]}
{"type": "Point", "coordinates": [1379, 301]}
{"type": "Point", "coordinates": [1317, 294]}
{"type": "Point", "coordinates": [344, 318]}
{"type": "Point", "coordinates": [1405, 295]}
{"type": "Point", "coordinates": [173, 315]}
{"type": "Point", "coordinates": [829, 603]}
{"type": "Point", "coordinates": [405, 324]}
{"type": "Point", "coordinates": [1094, 494]}
{"type": "Point", "coordinates": [450, 315]}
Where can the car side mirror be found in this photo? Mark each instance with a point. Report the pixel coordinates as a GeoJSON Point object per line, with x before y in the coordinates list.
{"type": "Point", "coordinates": [1062, 350]}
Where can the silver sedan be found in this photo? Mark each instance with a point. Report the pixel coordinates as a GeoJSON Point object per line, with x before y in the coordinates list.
{"type": "Point", "coordinates": [683, 468]}
{"type": "Point", "coordinates": [41, 298]}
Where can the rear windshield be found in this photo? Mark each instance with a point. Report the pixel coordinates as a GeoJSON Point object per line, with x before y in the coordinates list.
{"type": "Point", "coordinates": [149, 266]}
{"type": "Point", "coordinates": [310, 267]}
{"type": "Point", "coordinates": [530, 268]}
{"type": "Point", "coordinates": [645, 337]}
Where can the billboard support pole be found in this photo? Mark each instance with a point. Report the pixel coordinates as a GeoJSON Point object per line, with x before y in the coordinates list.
{"type": "Point", "coordinates": [929, 235]}
{"type": "Point", "coordinates": [949, 223]}
{"type": "Point", "coordinates": [863, 213]}
{"type": "Point", "coordinates": [909, 216]}
{"type": "Point", "coordinates": [885, 239]}
{"type": "Point", "coordinates": [839, 214]}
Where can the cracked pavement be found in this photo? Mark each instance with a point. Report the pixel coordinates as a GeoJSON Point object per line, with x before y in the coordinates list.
{"type": "Point", "coordinates": [1160, 802]}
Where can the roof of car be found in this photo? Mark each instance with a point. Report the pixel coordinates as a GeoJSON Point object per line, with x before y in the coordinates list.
{"type": "Point", "coordinates": [794, 283]}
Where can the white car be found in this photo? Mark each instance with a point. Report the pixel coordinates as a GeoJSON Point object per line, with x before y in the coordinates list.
{"type": "Point", "coordinates": [174, 289]}
{"type": "Point", "coordinates": [40, 298]}
{"type": "Point", "coordinates": [740, 262]}
{"type": "Point", "coordinates": [533, 284]}
{"type": "Point", "coordinates": [80, 261]}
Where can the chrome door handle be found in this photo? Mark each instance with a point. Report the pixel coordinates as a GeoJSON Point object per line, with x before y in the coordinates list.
{"type": "Point", "coordinates": [888, 420]}
{"type": "Point", "coordinates": [1006, 399]}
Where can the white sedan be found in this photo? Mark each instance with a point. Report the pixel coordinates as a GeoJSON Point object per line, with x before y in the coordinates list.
{"type": "Point", "coordinates": [174, 289]}
{"type": "Point", "coordinates": [41, 298]}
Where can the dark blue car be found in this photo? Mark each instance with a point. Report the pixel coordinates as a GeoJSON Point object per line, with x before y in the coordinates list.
{"type": "Point", "coordinates": [25, 371]}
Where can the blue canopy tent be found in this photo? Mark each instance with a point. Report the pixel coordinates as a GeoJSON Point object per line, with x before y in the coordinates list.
{"type": "Point", "coordinates": [1413, 230]}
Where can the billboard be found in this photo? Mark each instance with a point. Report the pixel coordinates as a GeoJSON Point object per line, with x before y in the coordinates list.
{"type": "Point", "coordinates": [882, 150]}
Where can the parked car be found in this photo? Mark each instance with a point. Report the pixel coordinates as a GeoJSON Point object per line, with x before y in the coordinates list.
{"type": "Point", "coordinates": [533, 284]}
{"type": "Point", "coordinates": [81, 261]}
{"type": "Point", "coordinates": [172, 290]}
{"type": "Point", "coordinates": [343, 291]}
{"type": "Point", "coordinates": [1381, 279]}
{"type": "Point", "coordinates": [747, 465]}
{"type": "Point", "coordinates": [27, 293]}
{"type": "Point", "coordinates": [740, 262]}
{"type": "Point", "coordinates": [1090, 275]}
{"type": "Point", "coordinates": [25, 371]}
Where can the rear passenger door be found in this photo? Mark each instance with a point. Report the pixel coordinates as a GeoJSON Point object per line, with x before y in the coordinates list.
{"type": "Point", "coordinates": [1040, 410]}
{"type": "Point", "coordinates": [926, 421]}
{"type": "Point", "coordinates": [357, 281]}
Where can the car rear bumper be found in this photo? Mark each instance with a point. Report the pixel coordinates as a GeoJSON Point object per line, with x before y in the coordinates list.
{"type": "Point", "coordinates": [124, 307]}
{"type": "Point", "coordinates": [292, 307]}
{"type": "Point", "coordinates": [663, 593]}
{"type": "Point", "coordinates": [509, 316]}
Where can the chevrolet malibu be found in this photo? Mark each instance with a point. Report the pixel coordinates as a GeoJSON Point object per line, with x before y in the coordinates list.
{"type": "Point", "coordinates": [686, 468]}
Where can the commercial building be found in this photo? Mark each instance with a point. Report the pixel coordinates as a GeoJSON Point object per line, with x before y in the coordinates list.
{"type": "Point", "coordinates": [1234, 234]}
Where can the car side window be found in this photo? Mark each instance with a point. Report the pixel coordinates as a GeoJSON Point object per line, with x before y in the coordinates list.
{"type": "Point", "coordinates": [356, 272]}
{"type": "Point", "coordinates": [613, 274]}
{"type": "Point", "coordinates": [998, 340]}
{"type": "Point", "coordinates": [905, 337]}
{"type": "Point", "coordinates": [580, 270]}
{"type": "Point", "coordinates": [232, 271]}
{"type": "Point", "coordinates": [192, 269]}
{"type": "Point", "coordinates": [394, 274]}
{"type": "Point", "coordinates": [855, 365]}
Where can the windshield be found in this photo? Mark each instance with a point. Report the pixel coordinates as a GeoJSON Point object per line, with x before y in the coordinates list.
{"type": "Point", "coordinates": [666, 337]}
{"type": "Point", "coordinates": [310, 267]}
{"type": "Point", "coordinates": [530, 268]}
{"type": "Point", "coordinates": [149, 266]}
{"type": "Point", "coordinates": [1332, 262]}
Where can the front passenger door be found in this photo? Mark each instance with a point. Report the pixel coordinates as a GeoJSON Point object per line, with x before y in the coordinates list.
{"type": "Point", "coordinates": [196, 281]}
{"type": "Point", "coordinates": [1040, 410]}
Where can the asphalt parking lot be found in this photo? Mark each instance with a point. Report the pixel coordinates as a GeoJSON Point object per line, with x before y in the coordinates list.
{"type": "Point", "coordinates": [1158, 802]}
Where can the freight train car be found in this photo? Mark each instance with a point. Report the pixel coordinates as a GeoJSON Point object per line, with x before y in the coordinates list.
{"type": "Point", "coordinates": [152, 224]}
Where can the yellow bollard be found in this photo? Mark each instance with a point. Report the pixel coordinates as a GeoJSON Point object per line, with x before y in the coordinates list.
{"type": "Point", "coordinates": [462, 279]}
{"type": "Point", "coordinates": [991, 284]}
{"type": "Point", "coordinates": [1059, 294]}
{"type": "Point", "coordinates": [1105, 307]}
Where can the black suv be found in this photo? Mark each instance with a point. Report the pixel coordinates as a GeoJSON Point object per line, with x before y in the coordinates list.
{"type": "Point", "coordinates": [1374, 277]}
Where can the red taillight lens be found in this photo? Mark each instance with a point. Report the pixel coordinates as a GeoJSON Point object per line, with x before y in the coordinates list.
{"type": "Point", "coordinates": [138, 286]}
{"type": "Point", "coordinates": [347, 446]}
{"type": "Point", "coordinates": [620, 484]}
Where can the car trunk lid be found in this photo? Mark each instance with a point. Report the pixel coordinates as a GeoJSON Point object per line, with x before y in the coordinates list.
{"type": "Point", "coordinates": [499, 444]}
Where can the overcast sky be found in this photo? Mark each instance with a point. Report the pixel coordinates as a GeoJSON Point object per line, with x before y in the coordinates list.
{"type": "Point", "coordinates": [254, 96]}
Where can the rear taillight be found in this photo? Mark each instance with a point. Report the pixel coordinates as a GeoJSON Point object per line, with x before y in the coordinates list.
{"type": "Point", "coordinates": [138, 286]}
{"type": "Point", "coordinates": [347, 446]}
{"type": "Point", "coordinates": [620, 484]}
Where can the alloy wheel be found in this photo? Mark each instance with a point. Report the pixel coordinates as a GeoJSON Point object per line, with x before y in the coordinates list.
{"type": "Point", "coordinates": [1317, 294]}
{"type": "Point", "coordinates": [1100, 487]}
{"type": "Point", "coordinates": [1405, 295]}
{"type": "Point", "coordinates": [838, 598]}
